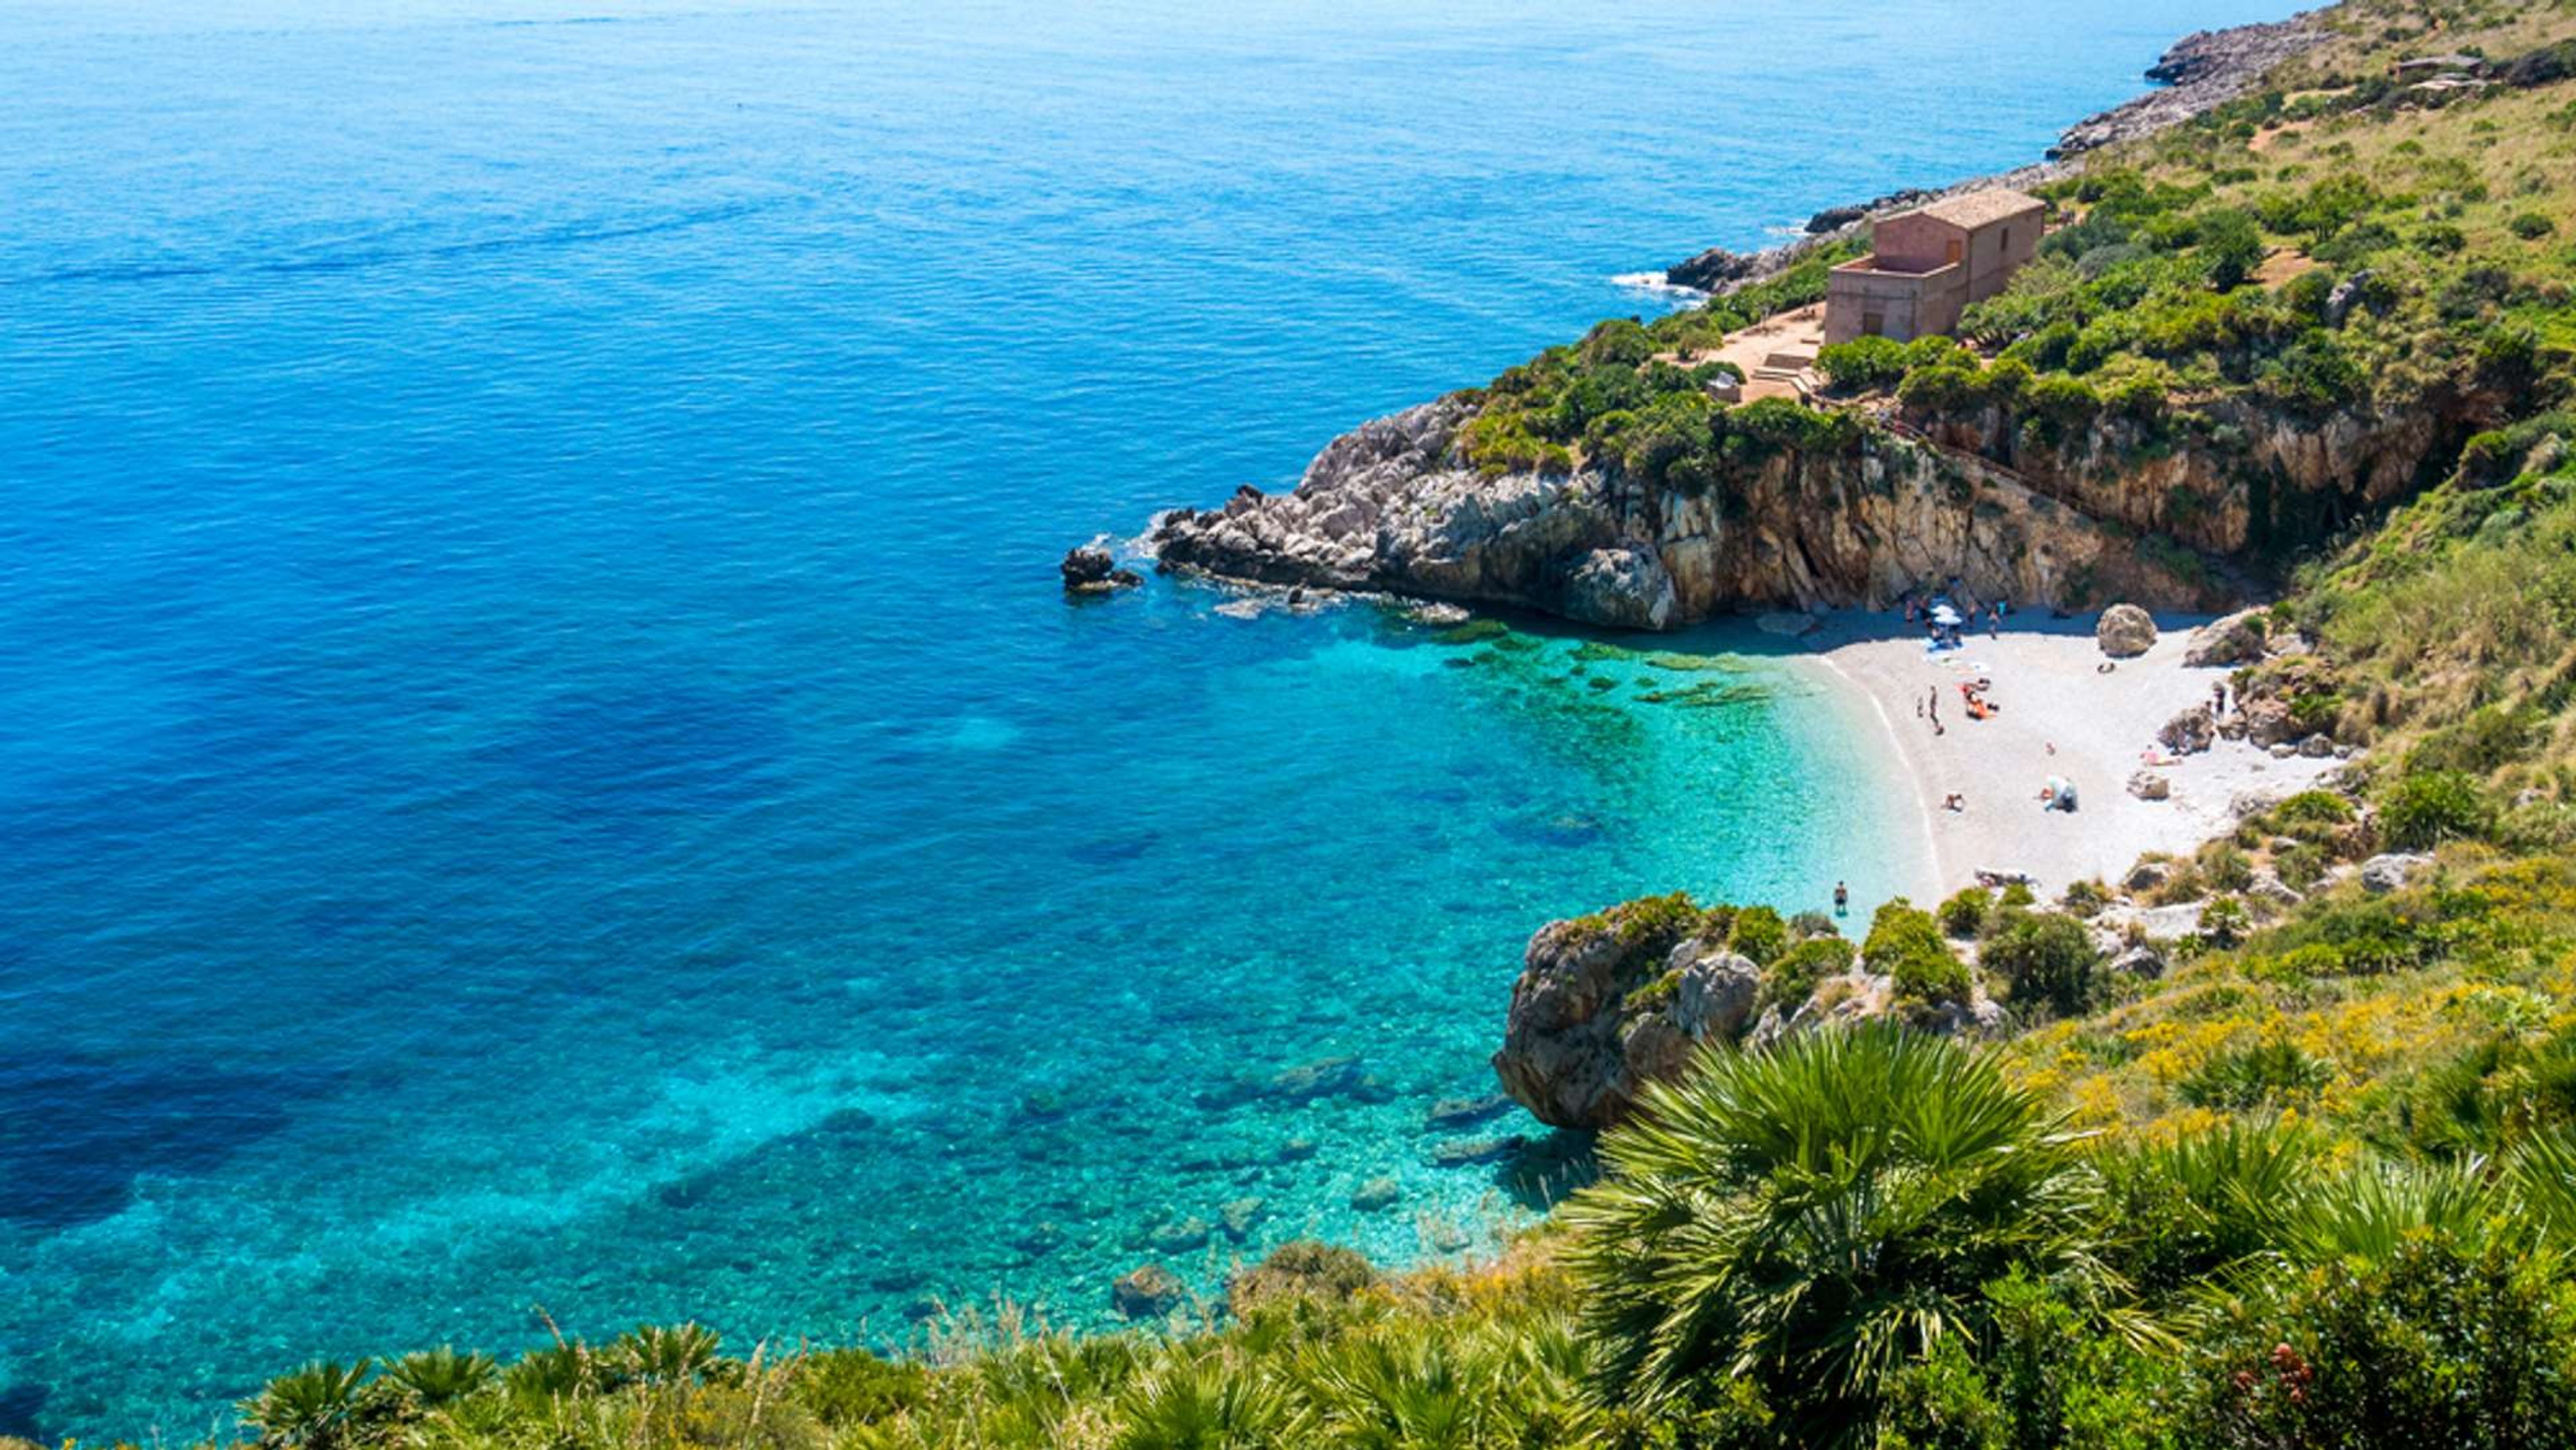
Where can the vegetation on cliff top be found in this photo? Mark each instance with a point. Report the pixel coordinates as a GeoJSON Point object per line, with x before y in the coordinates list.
{"type": "Point", "coordinates": [2315, 1184]}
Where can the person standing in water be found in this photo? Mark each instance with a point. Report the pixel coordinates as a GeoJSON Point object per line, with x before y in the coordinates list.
{"type": "Point", "coordinates": [1842, 899]}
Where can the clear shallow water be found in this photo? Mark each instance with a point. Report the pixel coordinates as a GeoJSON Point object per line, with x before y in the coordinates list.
{"type": "Point", "coordinates": [541, 759]}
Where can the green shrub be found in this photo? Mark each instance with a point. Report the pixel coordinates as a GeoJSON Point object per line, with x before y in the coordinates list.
{"type": "Point", "coordinates": [2490, 738]}
{"type": "Point", "coordinates": [2046, 960]}
{"type": "Point", "coordinates": [2231, 248]}
{"type": "Point", "coordinates": [1777, 424]}
{"type": "Point", "coordinates": [2531, 226]}
{"type": "Point", "coordinates": [2441, 239]}
{"type": "Point", "coordinates": [1964, 915]}
{"type": "Point", "coordinates": [844, 1387]}
{"type": "Point", "coordinates": [1905, 946]}
{"type": "Point", "coordinates": [2422, 811]}
{"type": "Point", "coordinates": [311, 1407]}
{"type": "Point", "coordinates": [2438, 1344]}
{"type": "Point", "coordinates": [2313, 807]}
{"type": "Point", "coordinates": [1759, 934]}
{"type": "Point", "coordinates": [1862, 363]}
{"type": "Point", "coordinates": [1791, 980]}
{"type": "Point", "coordinates": [1301, 1269]}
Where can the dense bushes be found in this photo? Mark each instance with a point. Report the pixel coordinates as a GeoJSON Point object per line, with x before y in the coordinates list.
{"type": "Point", "coordinates": [2422, 811]}
{"type": "Point", "coordinates": [2045, 960]}
{"type": "Point", "coordinates": [1905, 946]}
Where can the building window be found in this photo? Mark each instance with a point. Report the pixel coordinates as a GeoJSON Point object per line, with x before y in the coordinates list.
{"type": "Point", "coordinates": [1873, 324]}
{"type": "Point", "coordinates": [1955, 248]}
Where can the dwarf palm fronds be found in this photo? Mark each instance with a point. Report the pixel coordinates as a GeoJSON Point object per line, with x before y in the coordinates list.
{"type": "Point", "coordinates": [311, 1406]}
{"type": "Point", "coordinates": [1397, 1386]}
{"type": "Point", "coordinates": [2193, 1206]}
{"type": "Point", "coordinates": [441, 1376]}
{"type": "Point", "coordinates": [665, 1354]}
{"type": "Point", "coordinates": [2371, 1212]}
{"type": "Point", "coordinates": [2544, 1175]}
{"type": "Point", "coordinates": [1207, 1402]}
{"type": "Point", "coordinates": [1816, 1216]}
{"type": "Point", "coordinates": [558, 1371]}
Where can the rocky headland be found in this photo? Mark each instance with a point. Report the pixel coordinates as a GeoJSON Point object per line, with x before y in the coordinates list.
{"type": "Point", "coordinates": [1977, 499]}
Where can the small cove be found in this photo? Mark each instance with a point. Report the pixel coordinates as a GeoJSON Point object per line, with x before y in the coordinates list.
{"type": "Point", "coordinates": [544, 758]}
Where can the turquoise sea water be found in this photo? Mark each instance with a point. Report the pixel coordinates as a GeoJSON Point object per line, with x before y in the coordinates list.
{"type": "Point", "coordinates": [542, 762]}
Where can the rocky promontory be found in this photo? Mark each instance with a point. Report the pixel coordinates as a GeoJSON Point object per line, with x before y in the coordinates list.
{"type": "Point", "coordinates": [2201, 72]}
{"type": "Point", "coordinates": [1396, 506]}
{"type": "Point", "coordinates": [1609, 1002]}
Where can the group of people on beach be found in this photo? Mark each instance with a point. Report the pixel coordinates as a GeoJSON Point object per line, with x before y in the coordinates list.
{"type": "Point", "coordinates": [1944, 621]}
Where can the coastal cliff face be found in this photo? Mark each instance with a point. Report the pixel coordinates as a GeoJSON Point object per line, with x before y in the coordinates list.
{"type": "Point", "coordinates": [2229, 477]}
{"type": "Point", "coordinates": [1395, 506]}
{"type": "Point", "coordinates": [1979, 498]}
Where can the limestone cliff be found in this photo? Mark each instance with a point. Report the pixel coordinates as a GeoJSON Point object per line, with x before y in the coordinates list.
{"type": "Point", "coordinates": [1394, 506]}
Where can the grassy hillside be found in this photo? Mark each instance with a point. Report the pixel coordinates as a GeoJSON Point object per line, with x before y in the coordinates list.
{"type": "Point", "coordinates": [2311, 1183]}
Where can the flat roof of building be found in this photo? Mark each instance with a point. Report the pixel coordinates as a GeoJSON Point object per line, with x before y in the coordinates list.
{"type": "Point", "coordinates": [1977, 208]}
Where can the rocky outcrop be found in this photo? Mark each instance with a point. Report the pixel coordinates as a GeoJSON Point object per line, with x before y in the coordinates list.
{"type": "Point", "coordinates": [2236, 640]}
{"type": "Point", "coordinates": [2202, 71]}
{"type": "Point", "coordinates": [1377, 1195]}
{"type": "Point", "coordinates": [1091, 569]}
{"type": "Point", "coordinates": [1393, 506]}
{"type": "Point", "coordinates": [1608, 1003]}
{"type": "Point", "coordinates": [2382, 875]}
{"type": "Point", "coordinates": [1622, 588]}
{"type": "Point", "coordinates": [2191, 732]}
{"type": "Point", "coordinates": [2125, 631]}
{"type": "Point", "coordinates": [2229, 475]}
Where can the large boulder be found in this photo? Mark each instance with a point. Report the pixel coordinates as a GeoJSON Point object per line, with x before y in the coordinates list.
{"type": "Point", "coordinates": [2236, 640]}
{"type": "Point", "coordinates": [2147, 785]}
{"type": "Point", "coordinates": [1620, 588]}
{"type": "Point", "coordinates": [2191, 732]}
{"type": "Point", "coordinates": [2381, 875]}
{"type": "Point", "coordinates": [2125, 631]}
{"type": "Point", "coordinates": [2268, 722]}
{"type": "Point", "coordinates": [1610, 1002]}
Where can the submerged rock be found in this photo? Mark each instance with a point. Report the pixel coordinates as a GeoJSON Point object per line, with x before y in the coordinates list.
{"type": "Point", "coordinates": [1453, 1113]}
{"type": "Point", "coordinates": [1148, 1292]}
{"type": "Point", "coordinates": [1377, 1195]}
{"type": "Point", "coordinates": [1180, 1235]}
{"type": "Point", "coordinates": [1238, 1215]}
{"type": "Point", "coordinates": [1468, 1152]}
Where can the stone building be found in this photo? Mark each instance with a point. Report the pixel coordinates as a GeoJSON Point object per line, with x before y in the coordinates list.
{"type": "Point", "coordinates": [1930, 263]}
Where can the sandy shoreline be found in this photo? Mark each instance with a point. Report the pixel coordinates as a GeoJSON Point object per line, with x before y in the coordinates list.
{"type": "Point", "coordinates": [2048, 682]}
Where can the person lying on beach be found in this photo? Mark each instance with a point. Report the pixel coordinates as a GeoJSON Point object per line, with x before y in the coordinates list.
{"type": "Point", "coordinates": [1954, 802]}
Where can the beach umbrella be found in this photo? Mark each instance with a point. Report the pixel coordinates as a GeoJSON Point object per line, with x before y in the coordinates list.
{"type": "Point", "coordinates": [1944, 614]}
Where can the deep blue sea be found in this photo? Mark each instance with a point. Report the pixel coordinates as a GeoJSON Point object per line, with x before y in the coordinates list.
{"type": "Point", "coordinates": [542, 758]}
